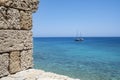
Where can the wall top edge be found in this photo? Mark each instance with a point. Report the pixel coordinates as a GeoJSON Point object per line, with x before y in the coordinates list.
{"type": "Point", "coordinates": [29, 5]}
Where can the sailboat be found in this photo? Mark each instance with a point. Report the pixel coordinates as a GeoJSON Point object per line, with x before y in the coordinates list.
{"type": "Point", "coordinates": [79, 38]}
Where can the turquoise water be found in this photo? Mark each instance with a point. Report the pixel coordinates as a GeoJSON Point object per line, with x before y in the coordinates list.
{"type": "Point", "coordinates": [92, 59]}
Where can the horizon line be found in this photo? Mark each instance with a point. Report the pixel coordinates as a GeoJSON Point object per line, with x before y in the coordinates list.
{"type": "Point", "coordinates": [72, 36]}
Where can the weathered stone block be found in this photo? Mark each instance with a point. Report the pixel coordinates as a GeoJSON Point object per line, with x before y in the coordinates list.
{"type": "Point", "coordinates": [26, 20]}
{"type": "Point", "coordinates": [15, 19]}
{"type": "Point", "coordinates": [11, 40]}
{"type": "Point", "coordinates": [4, 62]}
{"type": "Point", "coordinates": [9, 18]}
{"type": "Point", "coordinates": [14, 65]}
{"type": "Point", "coordinates": [15, 35]}
{"type": "Point", "coordinates": [3, 2]}
{"type": "Point", "coordinates": [30, 5]}
{"type": "Point", "coordinates": [26, 59]}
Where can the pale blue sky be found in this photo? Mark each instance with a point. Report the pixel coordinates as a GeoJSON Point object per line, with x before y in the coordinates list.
{"type": "Point", "coordinates": [60, 18]}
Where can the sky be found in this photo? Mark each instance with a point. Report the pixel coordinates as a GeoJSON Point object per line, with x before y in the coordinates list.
{"type": "Point", "coordinates": [65, 18]}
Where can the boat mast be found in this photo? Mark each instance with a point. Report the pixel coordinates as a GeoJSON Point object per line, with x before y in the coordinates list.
{"type": "Point", "coordinates": [80, 35]}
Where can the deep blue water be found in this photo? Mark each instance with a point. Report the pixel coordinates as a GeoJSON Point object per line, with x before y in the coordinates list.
{"type": "Point", "coordinates": [92, 59]}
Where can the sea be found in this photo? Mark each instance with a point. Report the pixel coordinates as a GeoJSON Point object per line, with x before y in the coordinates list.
{"type": "Point", "coordinates": [95, 58]}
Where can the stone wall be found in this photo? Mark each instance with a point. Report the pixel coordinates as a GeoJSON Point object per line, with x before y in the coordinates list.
{"type": "Point", "coordinates": [15, 35]}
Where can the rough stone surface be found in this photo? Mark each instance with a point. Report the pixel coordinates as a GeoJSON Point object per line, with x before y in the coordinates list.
{"type": "Point", "coordinates": [15, 19]}
{"type": "Point", "coordinates": [26, 59]}
{"type": "Point", "coordinates": [4, 62]}
{"type": "Point", "coordinates": [33, 74]}
{"type": "Point", "coordinates": [26, 20]}
{"type": "Point", "coordinates": [30, 5]}
{"type": "Point", "coordinates": [11, 40]}
{"type": "Point", "coordinates": [14, 62]}
{"type": "Point", "coordinates": [2, 2]}
{"type": "Point", "coordinates": [9, 18]}
{"type": "Point", "coordinates": [15, 36]}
